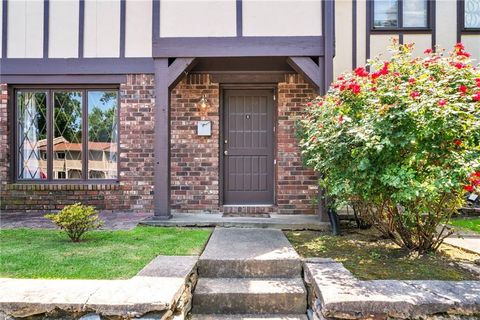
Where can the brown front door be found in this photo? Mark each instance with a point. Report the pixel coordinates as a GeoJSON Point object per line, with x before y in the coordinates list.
{"type": "Point", "coordinates": [248, 147]}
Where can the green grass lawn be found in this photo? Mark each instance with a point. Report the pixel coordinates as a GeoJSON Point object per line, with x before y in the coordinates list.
{"type": "Point", "coordinates": [369, 257]}
{"type": "Point", "coordinates": [27, 253]}
{"type": "Point", "coordinates": [467, 224]}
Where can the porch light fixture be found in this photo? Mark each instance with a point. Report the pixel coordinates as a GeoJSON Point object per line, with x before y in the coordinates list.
{"type": "Point", "coordinates": [203, 103]}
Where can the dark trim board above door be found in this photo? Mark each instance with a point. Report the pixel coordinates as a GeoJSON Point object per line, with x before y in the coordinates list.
{"type": "Point", "coordinates": [238, 46]}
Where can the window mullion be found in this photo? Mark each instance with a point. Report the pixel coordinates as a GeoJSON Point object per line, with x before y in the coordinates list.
{"type": "Point", "coordinates": [400, 13]}
{"type": "Point", "coordinates": [50, 134]}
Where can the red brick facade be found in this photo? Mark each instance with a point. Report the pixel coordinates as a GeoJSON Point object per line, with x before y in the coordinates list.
{"type": "Point", "coordinates": [194, 160]}
{"type": "Point", "coordinates": [135, 187]}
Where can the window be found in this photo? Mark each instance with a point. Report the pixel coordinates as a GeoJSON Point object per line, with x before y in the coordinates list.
{"type": "Point", "coordinates": [57, 128]}
{"type": "Point", "coordinates": [471, 14]}
{"type": "Point", "coordinates": [399, 14]}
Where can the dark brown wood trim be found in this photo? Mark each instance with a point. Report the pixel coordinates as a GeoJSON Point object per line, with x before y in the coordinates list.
{"type": "Point", "coordinates": [433, 21]}
{"type": "Point", "coordinates": [329, 42]}
{"type": "Point", "coordinates": [178, 69]}
{"type": "Point", "coordinates": [74, 66]}
{"type": "Point", "coordinates": [123, 15]}
{"type": "Point", "coordinates": [238, 46]}
{"type": "Point", "coordinates": [4, 28]}
{"type": "Point", "coordinates": [239, 16]}
{"type": "Point", "coordinates": [307, 68]}
{"type": "Point", "coordinates": [64, 79]}
{"type": "Point", "coordinates": [155, 20]}
{"type": "Point", "coordinates": [81, 27]}
{"type": "Point", "coordinates": [161, 195]}
{"type": "Point", "coordinates": [368, 24]}
{"type": "Point", "coordinates": [247, 78]}
{"type": "Point", "coordinates": [46, 27]}
{"type": "Point", "coordinates": [354, 33]}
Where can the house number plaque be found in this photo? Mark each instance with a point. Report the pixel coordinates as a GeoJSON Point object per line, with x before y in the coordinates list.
{"type": "Point", "coordinates": [204, 128]}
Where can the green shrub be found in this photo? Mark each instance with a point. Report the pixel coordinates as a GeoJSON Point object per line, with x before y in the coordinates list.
{"type": "Point", "coordinates": [400, 140]}
{"type": "Point", "coordinates": [76, 219]}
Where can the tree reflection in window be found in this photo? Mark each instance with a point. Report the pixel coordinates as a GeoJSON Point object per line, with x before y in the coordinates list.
{"type": "Point", "coordinates": [32, 135]}
{"type": "Point", "coordinates": [102, 134]}
{"type": "Point", "coordinates": [472, 14]}
{"type": "Point", "coordinates": [67, 125]}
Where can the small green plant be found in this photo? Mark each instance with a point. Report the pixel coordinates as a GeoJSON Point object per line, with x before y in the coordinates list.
{"type": "Point", "coordinates": [76, 219]}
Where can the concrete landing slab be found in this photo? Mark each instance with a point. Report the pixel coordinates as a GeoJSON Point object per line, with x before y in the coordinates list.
{"type": "Point", "coordinates": [276, 221]}
{"type": "Point", "coordinates": [241, 252]}
{"type": "Point", "coordinates": [468, 241]}
{"type": "Point", "coordinates": [155, 289]}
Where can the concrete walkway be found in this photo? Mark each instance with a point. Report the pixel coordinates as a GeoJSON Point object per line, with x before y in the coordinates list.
{"type": "Point", "coordinates": [468, 241]}
{"type": "Point", "coordinates": [249, 271]}
{"type": "Point", "coordinates": [113, 220]}
{"type": "Point", "coordinates": [276, 221]}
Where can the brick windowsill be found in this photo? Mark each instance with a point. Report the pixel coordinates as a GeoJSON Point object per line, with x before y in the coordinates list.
{"type": "Point", "coordinates": [82, 186]}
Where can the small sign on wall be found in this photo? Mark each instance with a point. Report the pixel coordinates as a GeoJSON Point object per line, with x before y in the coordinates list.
{"type": "Point", "coordinates": [204, 128]}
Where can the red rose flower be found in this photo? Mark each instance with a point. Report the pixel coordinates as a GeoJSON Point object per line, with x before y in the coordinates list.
{"type": "Point", "coordinates": [411, 80]}
{"type": "Point", "coordinates": [415, 94]}
{"type": "Point", "coordinates": [442, 102]}
{"type": "Point", "coordinates": [384, 70]}
{"type": "Point", "coordinates": [340, 118]}
{"type": "Point", "coordinates": [459, 47]}
{"type": "Point", "coordinates": [457, 142]}
{"type": "Point", "coordinates": [468, 188]}
{"type": "Point", "coordinates": [309, 104]}
{"type": "Point", "coordinates": [458, 65]}
{"type": "Point", "coordinates": [462, 89]}
{"type": "Point", "coordinates": [476, 96]}
{"type": "Point", "coordinates": [361, 72]}
{"type": "Point", "coordinates": [428, 51]}
{"type": "Point", "coordinates": [478, 82]}
{"type": "Point", "coordinates": [355, 88]}
{"type": "Point", "coordinates": [374, 89]}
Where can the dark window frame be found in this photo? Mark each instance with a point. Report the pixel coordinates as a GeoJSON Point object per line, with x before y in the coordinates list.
{"type": "Point", "coordinates": [50, 89]}
{"type": "Point", "coordinates": [400, 28]}
{"type": "Point", "coordinates": [461, 19]}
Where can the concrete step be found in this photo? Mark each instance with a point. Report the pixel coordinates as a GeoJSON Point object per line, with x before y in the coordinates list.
{"type": "Point", "coordinates": [248, 317]}
{"type": "Point", "coordinates": [260, 211]}
{"type": "Point", "coordinates": [249, 296]}
{"type": "Point", "coordinates": [243, 253]}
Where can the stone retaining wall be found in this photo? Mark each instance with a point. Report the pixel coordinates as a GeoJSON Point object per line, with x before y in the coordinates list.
{"type": "Point", "coordinates": [162, 290]}
{"type": "Point", "coordinates": [334, 294]}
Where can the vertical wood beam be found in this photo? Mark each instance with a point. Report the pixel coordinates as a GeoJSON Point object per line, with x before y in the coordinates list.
{"type": "Point", "coordinates": [161, 195]}
{"type": "Point", "coordinates": [4, 28]}
{"type": "Point", "coordinates": [328, 28]}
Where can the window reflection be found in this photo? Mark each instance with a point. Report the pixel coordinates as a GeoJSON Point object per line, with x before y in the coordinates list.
{"type": "Point", "coordinates": [415, 13]}
{"type": "Point", "coordinates": [67, 142]}
{"type": "Point", "coordinates": [472, 14]}
{"type": "Point", "coordinates": [102, 134]}
{"type": "Point", "coordinates": [386, 13]}
{"type": "Point", "coordinates": [32, 135]}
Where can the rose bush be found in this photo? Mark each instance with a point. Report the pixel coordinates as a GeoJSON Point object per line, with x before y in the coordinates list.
{"type": "Point", "coordinates": [400, 142]}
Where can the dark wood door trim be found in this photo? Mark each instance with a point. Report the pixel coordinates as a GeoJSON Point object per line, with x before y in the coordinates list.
{"type": "Point", "coordinates": [271, 136]}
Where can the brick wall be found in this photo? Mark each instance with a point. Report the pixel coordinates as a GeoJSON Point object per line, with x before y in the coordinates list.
{"type": "Point", "coordinates": [296, 185]}
{"type": "Point", "coordinates": [194, 159]}
{"type": "Point", "coordinates": [134, 190]}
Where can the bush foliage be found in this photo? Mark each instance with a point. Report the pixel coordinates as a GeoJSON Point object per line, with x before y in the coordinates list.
{"type": "Point", "coordinates": [75, 220]}
{"type": "Point", "coordinates": [400, 142]}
